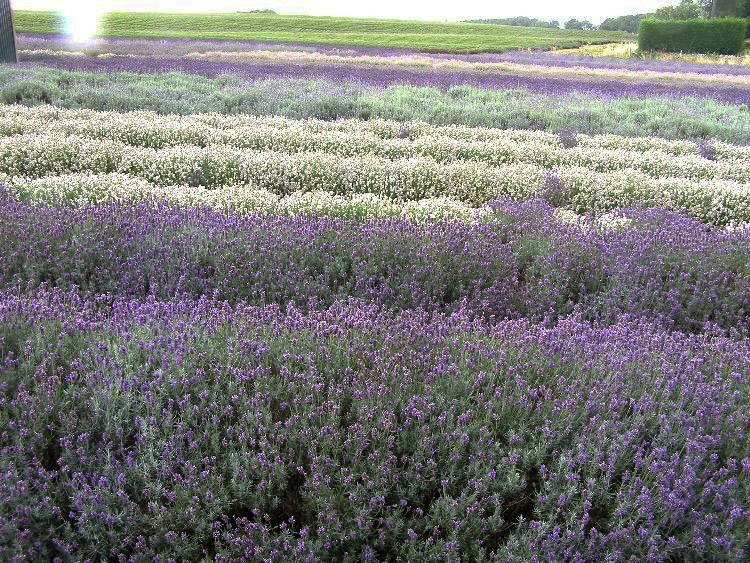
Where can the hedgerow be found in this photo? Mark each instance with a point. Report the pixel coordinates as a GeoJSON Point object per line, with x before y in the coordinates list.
{"type": "Point", "coordinates": [723, 36]}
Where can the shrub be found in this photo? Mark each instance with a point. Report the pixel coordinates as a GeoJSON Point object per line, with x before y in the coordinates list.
{"type": "Point", "coordinates": [28, 92]}
{"type": "Point", "coordinates": [724, 36]}
{"type": "Point", "coordinates": [706, 149]}
{"type": "Point", "coordinates": [554, 191]}
{"type": "Point", "coordinates": [568, 138]}
{"type": "Point", "coordinates": [200, 431]}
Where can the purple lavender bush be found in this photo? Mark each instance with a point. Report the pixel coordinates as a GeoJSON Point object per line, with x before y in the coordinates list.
{"type": "Point", "coordinates": [384, 76]}
{"type": "Point", "coordinates": [522, 263]}
{"type": "Point", "coordinates": [706, 149]}
{"type": "Point", "coordinates": [188, 430]}
{"type": "Point", "coordinates": [568, 138]}
{"type": "Point", "coordinates": [554, 191]}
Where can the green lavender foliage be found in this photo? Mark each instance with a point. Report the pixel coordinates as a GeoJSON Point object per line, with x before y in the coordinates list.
{"type": "Point", "coordinates": [183, 94]}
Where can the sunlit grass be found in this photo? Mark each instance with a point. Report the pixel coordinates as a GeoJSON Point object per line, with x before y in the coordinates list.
{"type": "Point", "coordinates": [363, 32]}
{"type": "Point", "coordinates": [628, 50]}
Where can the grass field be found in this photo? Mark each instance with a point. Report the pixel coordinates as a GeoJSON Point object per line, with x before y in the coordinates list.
{"type": "Point", "coordinates": [420, 35]}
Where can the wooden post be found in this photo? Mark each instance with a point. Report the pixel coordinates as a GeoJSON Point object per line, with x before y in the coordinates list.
{"type": "Point", "coordinates": [8, 51]}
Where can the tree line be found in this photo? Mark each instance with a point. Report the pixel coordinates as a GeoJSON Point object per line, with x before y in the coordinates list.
{"type": "Point", "coordinates": [685, 10]}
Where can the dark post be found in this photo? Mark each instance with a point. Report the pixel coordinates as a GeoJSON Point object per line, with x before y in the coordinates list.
{"type": "Point", "coordinates": [8, 52]}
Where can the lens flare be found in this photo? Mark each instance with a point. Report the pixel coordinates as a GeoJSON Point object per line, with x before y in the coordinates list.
{"type": "Point", "coordinates": [81, 19]}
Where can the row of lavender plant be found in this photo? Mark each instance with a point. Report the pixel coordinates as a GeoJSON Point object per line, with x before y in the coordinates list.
{"type": "Point", "coordinates": [523, 262]}
{"type": "Point", "coordinates": [717, 201]}
{"type": "Point", "coordinates": [430, 64]}
{"type": "Point", "coordinates": [417, 62]}
{"type": "Point", "coordinates": [82, 190]}
{"type": "Point", "coordinates": [181, 47]}
{"type": "Point", "coordinates": [42, 153]}
{"type": "Point", "coordinates": [383, 137]}
{"type": "Point", "coordinates": [390, 139]}
{"type": "Point", "coordinates": [379, 76]}
{"type": "Point", "coordinates": [683, 118]}
{"type": "Point", "coordinates": [573, 191]}
{"type": "Point", "coordinates": [196, 430]}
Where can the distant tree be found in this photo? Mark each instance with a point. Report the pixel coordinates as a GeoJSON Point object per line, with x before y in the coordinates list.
{"type": "Point", "coordinates": [520, 21]}
{"type": "Point", "coordinates": [722, 8]}
{"type": "Point", "coordinates": [579, 24]}
{"type": "Point", "coordinates": [685, 10]}
{"type": "Point", "coordinates": [623, 23]}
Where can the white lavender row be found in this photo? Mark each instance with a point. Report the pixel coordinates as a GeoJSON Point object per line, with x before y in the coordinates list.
{"type": "Point", "coordinates": [82, 190]}
{"type": "Point", "coordinates": [379, 136]}
{"type": "Point", "coordinates": [718, 202]}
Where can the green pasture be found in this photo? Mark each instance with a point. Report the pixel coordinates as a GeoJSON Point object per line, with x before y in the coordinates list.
{"type": "Point", "coordinates": [361, 32]}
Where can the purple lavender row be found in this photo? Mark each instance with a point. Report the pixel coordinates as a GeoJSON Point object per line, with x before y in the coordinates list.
{"type": "Point", "coordinates": [381, 77]}
{"type": "Point", "coordinates": [526, 263]}
{"type": "Point", "coordinates": [175, 47]}
{"type": "Point", "coordinates": [195, 430]}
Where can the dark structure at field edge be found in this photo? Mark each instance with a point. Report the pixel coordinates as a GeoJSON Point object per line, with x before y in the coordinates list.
{"type": "Point", "coordinates": [7, 34]}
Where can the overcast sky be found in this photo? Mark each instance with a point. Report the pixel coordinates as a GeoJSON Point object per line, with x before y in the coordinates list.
{"type": "Point", "coordinates": [594, 10]}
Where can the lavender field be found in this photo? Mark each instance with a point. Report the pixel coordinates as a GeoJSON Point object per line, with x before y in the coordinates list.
{"type": "Point", "coordinates": [276, 302]}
